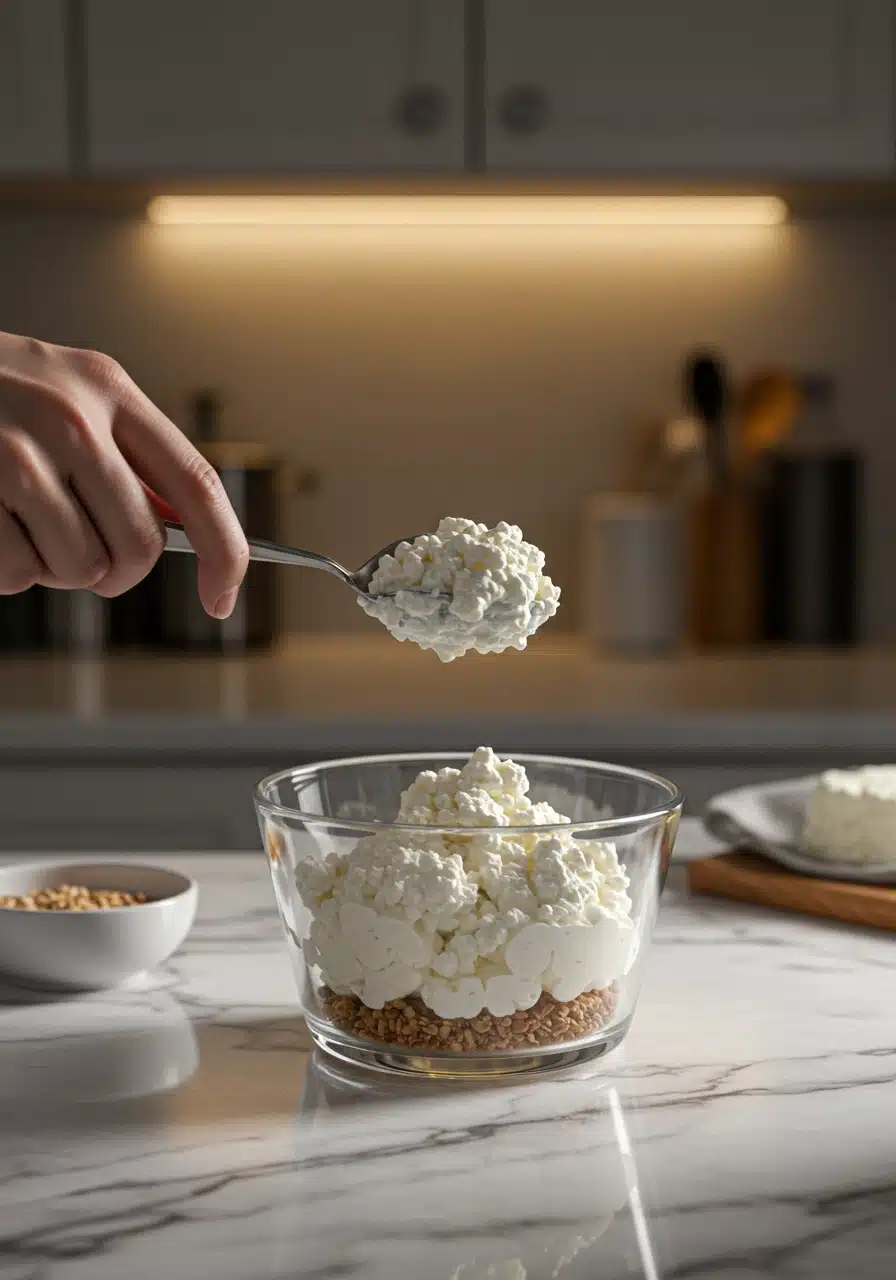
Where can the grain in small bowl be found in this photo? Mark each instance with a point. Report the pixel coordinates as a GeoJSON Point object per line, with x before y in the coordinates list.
{"type": "Point", "coordinates": [87, 926]}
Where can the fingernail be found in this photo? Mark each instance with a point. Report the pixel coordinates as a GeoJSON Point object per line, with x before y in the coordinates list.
{"type": "Point", "coordinates": [99, 571]}
{"type": "Point", "coordinates": [225, 603]}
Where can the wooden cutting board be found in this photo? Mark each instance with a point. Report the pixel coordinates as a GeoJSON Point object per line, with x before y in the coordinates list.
{"type": "Point", "coordinates": [752, 879]}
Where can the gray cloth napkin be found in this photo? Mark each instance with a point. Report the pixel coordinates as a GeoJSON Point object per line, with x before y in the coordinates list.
{"type": "Point", "coordinates": [757, 817]}
{"type": "Point", "coordinates": [770, 819]}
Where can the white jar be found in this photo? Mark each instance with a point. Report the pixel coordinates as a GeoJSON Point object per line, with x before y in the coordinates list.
{"type": "Point", "coordinates": [632, 590]}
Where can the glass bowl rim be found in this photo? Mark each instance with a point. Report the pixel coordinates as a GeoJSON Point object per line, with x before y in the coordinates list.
{"type": "Point", "coordinates": [607, 826]}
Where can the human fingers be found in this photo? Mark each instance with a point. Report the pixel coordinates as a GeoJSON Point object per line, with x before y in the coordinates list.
{"type": "Point", "coordinates": [164, 458]}
{"type": "Point", "coordinates": [120, 510]}
{"type": "Point", "coordinates": [20, 565]}
{"type": "Point", "coordinates": [31, 490]}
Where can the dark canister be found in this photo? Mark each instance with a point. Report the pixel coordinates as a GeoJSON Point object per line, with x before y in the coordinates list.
{"type": "Point", "coordinates": [811, 528]}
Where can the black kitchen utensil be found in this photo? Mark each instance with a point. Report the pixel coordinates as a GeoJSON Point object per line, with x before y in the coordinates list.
{"type": "Point", "coordinates": [706, 394]}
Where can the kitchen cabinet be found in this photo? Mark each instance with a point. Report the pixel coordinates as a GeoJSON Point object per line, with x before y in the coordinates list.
{"type": "Point", "coordinates": [791, 88]}
{"type": "Point", "coordinates": [274, 86]}
{"type": "Point", "coordinates": [34, 137]}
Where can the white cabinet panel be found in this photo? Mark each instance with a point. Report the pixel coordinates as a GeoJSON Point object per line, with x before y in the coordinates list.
{"type": "Point", "coordinates": [33, 89]}
{"type": "Point", "coordinates": [768, 87]}
{"type": "Point", "coordinates": [274, 86]}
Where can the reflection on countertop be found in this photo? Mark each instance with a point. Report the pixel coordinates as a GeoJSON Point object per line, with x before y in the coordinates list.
{"type": "Point", "coordinates": [746, 1127]}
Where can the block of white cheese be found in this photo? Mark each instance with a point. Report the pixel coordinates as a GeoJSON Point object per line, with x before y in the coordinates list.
{"type": "Point", "coordinates": [852, 816]}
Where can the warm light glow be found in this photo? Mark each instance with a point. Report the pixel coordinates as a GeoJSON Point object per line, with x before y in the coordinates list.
{"type": "Point", "coordinates": [469, 211]}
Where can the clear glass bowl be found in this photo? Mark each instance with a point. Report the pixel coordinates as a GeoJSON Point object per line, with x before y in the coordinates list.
{"type": "Point", "coordinates": [312, 820]}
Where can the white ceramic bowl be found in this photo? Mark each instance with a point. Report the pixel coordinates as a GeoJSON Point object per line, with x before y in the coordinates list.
{"type": "Point", "coordinates": [92, 950]}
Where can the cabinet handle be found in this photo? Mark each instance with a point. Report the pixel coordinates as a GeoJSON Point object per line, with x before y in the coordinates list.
{"type": "Point", "coordinates": [422, 109]}
{"type": "Point", "coordinates": [524, 109]}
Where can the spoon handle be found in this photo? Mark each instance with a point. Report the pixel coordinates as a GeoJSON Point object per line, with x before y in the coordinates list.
{"type": "Point", "coordinates": [267, 552]}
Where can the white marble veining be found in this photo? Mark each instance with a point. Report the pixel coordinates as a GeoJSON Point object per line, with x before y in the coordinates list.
{"type": "Point", "coordinates": [182, 1129]}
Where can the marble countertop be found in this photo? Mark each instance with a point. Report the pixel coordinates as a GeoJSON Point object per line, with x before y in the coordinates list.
{"type": "Point", "coordinates": [368, 693]}
{"type": "Point", "coordinates": [184, 1129]}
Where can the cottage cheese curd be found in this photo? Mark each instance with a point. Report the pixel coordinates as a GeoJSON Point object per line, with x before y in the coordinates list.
{"type": "Point", "coordinates": [498, 593]}
{"type": "Point", "coordinates": [479, 915]}
{"type": "Point", "coordinates": [852, 816]}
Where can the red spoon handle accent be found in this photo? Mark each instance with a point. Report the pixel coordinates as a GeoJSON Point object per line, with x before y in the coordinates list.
{"type": "Point", "coordinates": [161, 506]}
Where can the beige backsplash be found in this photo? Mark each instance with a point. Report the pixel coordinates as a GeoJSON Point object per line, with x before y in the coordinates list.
{"type": "Point", "coordinates": [495, 377]}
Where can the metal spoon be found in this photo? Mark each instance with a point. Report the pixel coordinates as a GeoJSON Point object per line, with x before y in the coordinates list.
{"type": "Point", "coordinates": [273, 553]}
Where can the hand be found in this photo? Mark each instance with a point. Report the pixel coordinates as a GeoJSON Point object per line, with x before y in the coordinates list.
{"type": "Point", "coordinates": [79, 444]}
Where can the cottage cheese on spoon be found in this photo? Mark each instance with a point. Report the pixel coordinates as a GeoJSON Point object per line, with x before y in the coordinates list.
{"type": "Point", "coordinates": [463, 587]}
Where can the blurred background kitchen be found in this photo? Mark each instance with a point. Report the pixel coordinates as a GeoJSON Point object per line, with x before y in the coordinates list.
{"type": "Point", "coordinates": [622, 274]}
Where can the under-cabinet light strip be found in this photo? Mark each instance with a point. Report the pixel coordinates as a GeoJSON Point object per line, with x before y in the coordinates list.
{"type": "Point", "coordinates": [469, 211]}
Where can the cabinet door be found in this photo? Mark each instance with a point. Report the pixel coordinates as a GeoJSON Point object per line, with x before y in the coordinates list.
{"type": "Point", "coordinates": [33, 90]}
{"type": "Point", "coordinates": [777, 87]}
{"type": "Point", "coordinates": [274, 86]}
